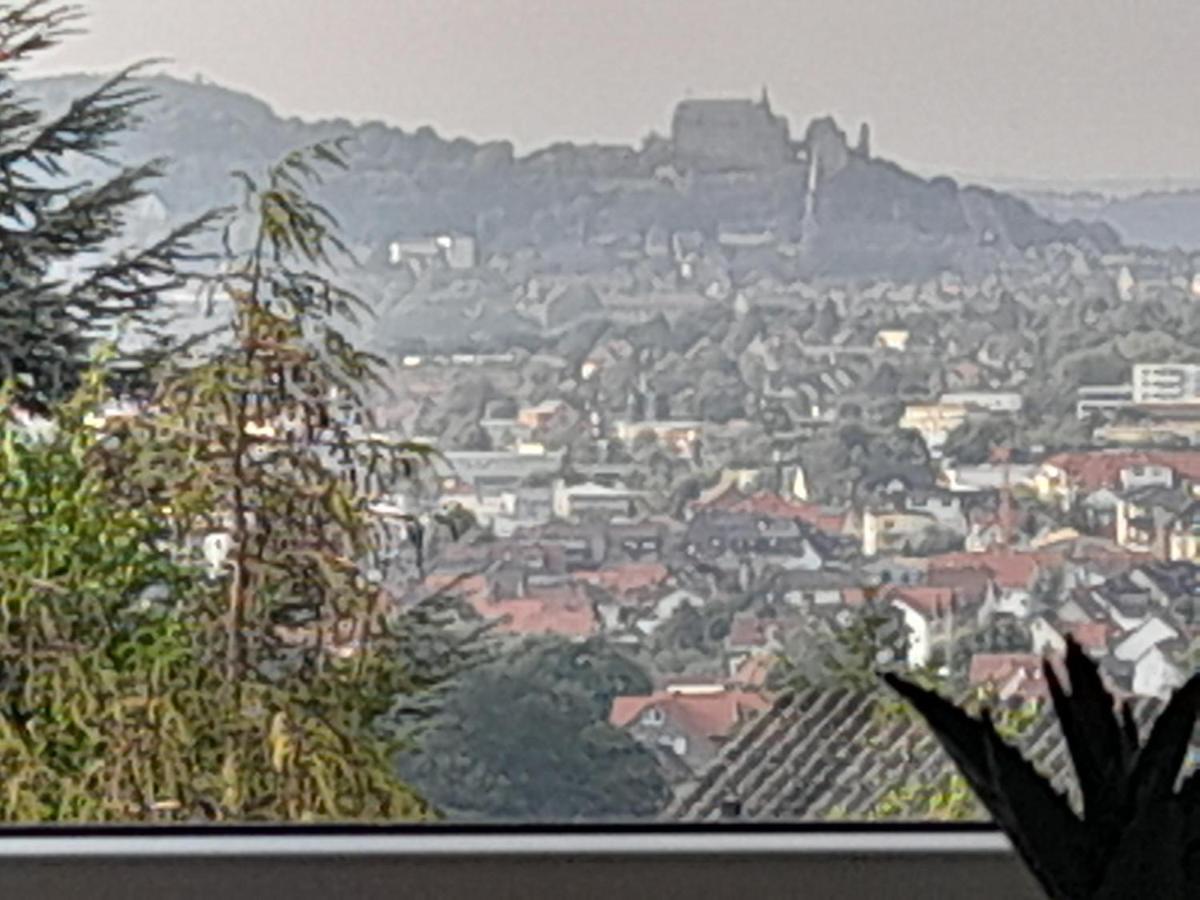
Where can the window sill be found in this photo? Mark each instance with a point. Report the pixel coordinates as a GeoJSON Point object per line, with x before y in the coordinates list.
{"type": "Point", "coordinates": [694, 863]}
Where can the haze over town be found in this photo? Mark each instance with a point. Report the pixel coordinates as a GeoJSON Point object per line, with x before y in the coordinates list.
{"type": "Point", "coordinates": [738, 393]}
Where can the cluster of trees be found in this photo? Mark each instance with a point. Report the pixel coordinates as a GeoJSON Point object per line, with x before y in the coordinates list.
{"type": "Point", "coordinates": [525, 737]}
{"type": "Point", "coordinates": [144, 675]}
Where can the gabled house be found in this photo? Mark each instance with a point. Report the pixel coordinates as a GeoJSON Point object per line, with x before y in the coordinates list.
{"type": "Point", "coordinates": [929, 618]}
{"type": "Point", "coordinates": [1010, 675]}
{"type": "Point", "coordinates": [1148, 654]}
{"type": "Point", "coordinates": [751, 636]}
{"type": "Point", "coordinates": [1064, 477]}
{"type": "Point", "coordinates": [566, 611]}
{"type": "Point", "coordinates": [692, 721]}
{"type": "Point", "coordinates": [1013, 574]}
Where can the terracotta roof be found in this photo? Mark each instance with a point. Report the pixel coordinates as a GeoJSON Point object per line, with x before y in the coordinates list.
{"type": "Point", "coordinates": [627, 578]}
{"type": "Point", "coordinates": [930, 602]}
{"type": "Point", "coordinates": [999, 667]}
{"type": "Point", "coordinates": [711, 715]}
{"type": "Point", "coordinates": [1095, 470]}
{"type": "Point", "coordinates": [748, 631]}
{"type": "Point", "coordinates": [1092, 635]}
{"type": "Point", "coordinates": [563, 611]}
{"type": "Point", "coordinates": [466, 586]}
{"type": "Point", "coordinates": [772, 505]}
{"type": "Point", "coordinates": [854, 596]}
{"type": "Point", "coordinates": [969, 585]}
{"type": "Point", "coordinates": [1008, 569]}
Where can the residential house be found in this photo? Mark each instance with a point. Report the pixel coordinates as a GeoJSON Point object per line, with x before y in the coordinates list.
{"type": "Point", "coordinates": [716, 533]}
{"type": "Point", "coordinates": [1149, 650]}
{"type": "Point", "coordinates": [1147, 516]}
{"type": "Point", "coordinates": [1010, 675]}
{"type": "Point", "coordinates": [681, 437]}
{"type": "Point", "coordinates": [637, 540]}
{"type": "Point", "coordinates": [751, 636]}
{"type": "Point", "coordinates": [498, 471]}
{"type": "Point", "coordinates": [628, 579]}
{"type": "Point", "coordinates": [1013, 575]}
{"type": "Point", "coordinates": [929, 616]}
{"type": "Point", "coordinates": [541, 415]}
{"type": "Point", "coordinates": [1063, 477]}
{"type": "Point", "coordinates": [691, 721]}
{"type": "Point", "coordinates": [591, 499]}
{"type": "Point", "coordinates": [813, 590]}
{"type": "Point", "coordinates": [888, 532]}
{"type": "Point", "coordinates": [1183, 538]}
{"type": "Point", "coordinates": [580, 546]}
{"type": "Point", "coordinates": [566, 611]}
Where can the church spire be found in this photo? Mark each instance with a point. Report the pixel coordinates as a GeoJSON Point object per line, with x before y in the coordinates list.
{"type": "Point", "coordinates": [765, 100]}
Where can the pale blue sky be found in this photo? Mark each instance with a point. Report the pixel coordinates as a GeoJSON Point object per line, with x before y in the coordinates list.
{"type": "Point", "coordinates": [1041, 88]}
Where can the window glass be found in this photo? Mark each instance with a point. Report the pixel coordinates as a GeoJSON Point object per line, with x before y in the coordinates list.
{"type": "Point", "coordinates": [562, 410]}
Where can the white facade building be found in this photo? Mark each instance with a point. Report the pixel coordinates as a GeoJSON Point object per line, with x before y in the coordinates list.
{"type": "Point", "coordinates": [1166, 383]}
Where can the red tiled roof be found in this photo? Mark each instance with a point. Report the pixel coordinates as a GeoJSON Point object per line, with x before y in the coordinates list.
{"type": "Point", "coordinates": [773, 506]}
{"type": "Point", "coordinates": [765, 503]}
{"type": "Point", "coordinates": [1092, 635]}
{"type": "Point", "coordinates": [712, 715]}
{"type": "Point", "coordinates": [854, 596]}
{"type": "Point", "coordinates": [1010, 674]}
{"type": "Point", "coordinates": [565, 612]}
{"type": "Point", "coordinates": [1095, 470]}
{"type": "Point", "coordinates": [931, 602]}
{"type": "Point", "coordinates": [468, 586]}
{"type": "Point", "coordinates": [748, 631]}
{"type": "Point", "coordinates": [969, 584]}
{"type": "Point", "coordinates": [1007, 569]}
{"type": "Point", "coordinates": [627, 578]}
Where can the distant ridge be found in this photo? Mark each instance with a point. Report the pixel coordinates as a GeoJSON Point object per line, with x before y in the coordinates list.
{"type": "Point", "coordinates": [870, 217]}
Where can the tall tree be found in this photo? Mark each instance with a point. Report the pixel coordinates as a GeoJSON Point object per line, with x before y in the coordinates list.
{"type": "Point", "coordinates": [65, 277]}
{"type": "Point", "coordinates": [137, 686]}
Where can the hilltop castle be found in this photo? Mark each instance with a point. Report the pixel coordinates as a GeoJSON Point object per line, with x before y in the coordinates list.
{"type": "Point", "coordinates": [747, 135]}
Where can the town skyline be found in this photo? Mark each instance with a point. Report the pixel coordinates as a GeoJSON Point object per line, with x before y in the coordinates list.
{"type": "Point", "coordinates": [1061, 113]}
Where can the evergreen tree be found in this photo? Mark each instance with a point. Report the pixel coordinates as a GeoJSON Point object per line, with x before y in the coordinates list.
{"type": "Point", "coordinates": [65, 278]}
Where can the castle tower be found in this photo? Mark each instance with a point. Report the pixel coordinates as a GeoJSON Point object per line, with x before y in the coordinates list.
{"type": "Point", "coordinates": [864, 141]}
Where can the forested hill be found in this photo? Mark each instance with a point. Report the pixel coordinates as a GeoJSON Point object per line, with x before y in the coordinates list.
{"type": "Point", "coordinates": [872, 218]}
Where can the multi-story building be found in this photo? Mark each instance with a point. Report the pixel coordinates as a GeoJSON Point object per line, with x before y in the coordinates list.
{"type": "Point", "coordinates": [1166, 383]}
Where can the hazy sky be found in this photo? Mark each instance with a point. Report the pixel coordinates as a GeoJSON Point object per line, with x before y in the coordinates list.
{"type": "Point", "coordinates": [1078, 89]}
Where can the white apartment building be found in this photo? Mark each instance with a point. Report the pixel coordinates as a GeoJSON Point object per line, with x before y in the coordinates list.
{"type": "Point", "coordinates": [1166, 383]}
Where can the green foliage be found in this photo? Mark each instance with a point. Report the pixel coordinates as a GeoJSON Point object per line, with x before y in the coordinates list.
{"type": "Point", "coordinates": [845, 655]}
{"type": "Point", "coordinates": [110, 710]}
{"type": "Point", "coordinates": [526, 738]}
{"type": "Point", "coordinates": [948, 797]}
{"type": "Point", "coordinates": [137, 686]}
